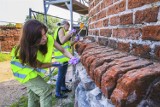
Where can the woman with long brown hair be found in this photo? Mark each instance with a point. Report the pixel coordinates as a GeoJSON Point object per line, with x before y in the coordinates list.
{"type": "Point", "coordinates": [30, 60]}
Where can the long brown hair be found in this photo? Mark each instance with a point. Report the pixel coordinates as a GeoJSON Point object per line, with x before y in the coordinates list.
{"type": "Point", "coordinates": [29, 42]}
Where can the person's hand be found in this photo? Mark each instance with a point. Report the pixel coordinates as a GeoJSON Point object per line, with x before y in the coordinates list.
{"type": "Point", "coordinates": [77, 38]}
{"type": "Point", "coordinates": [74, 61]}
{"type": "Point", "coordinates": [72, 31]}
{"type": "Point", "coordinates": [56, 64]}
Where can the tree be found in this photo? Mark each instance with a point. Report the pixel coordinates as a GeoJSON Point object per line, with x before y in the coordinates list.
{"type": "Point", "coordinates": [51, 22]}
{"type": "Point", "coordinates": [83, 19]}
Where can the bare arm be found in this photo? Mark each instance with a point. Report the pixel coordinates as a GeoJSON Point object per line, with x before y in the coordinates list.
{"type": "Point", "coordinates": [62, 37]}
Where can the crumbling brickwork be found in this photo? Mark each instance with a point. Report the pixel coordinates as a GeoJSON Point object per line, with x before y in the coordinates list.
{"type": "Point", "coordinates": [129, 81]}
{"type": "Point", "coordinates": [9, 37]}
{"type": "Point", "coordinates": [127, 25]}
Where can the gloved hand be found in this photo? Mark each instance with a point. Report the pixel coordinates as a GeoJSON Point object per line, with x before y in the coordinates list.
{"type": "Point", "coordinates": [73, 61]}
{"type": "Point", "coordinates": [77, 38]}
{"type": "Point", "coordinates": [72, 31]}
{"type": "Point", "coordinates": [56, 64]}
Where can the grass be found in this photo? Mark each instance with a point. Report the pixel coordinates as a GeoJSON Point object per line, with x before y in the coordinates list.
{"type": "Point", "coordinates": [4, 57]}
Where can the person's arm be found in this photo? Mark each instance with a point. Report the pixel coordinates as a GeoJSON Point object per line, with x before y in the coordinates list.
{"type": "Point", "coordinates": [62, 37]}
{"type": "Point", "coordinates": [61, 49]}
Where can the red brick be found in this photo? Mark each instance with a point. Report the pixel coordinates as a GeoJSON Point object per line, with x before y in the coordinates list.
{"type": "Point", "coordinates": [99, 71]}
{"type": "Point", "coordinates": [139, 3]}
{"type": "Point", "coordinates": [108, 2]}
{"type": "Point", "coordinates": [126, 19]}
{"type": "Point", "coordinates": [125, 47]}
{"type": "Point", "coordinates": [117, 8]}
{"type": "Point", "coordinates": [99, 24]}
{"type": "Point", "coordinates": [106, 32]}
{"type": "Point", "coordinates": [115, 21]}
{"type": "Point", "coordinates": [141, 50]}
{"type": "Point", "coordinates": [105, 22]}
{"type": "Point", "coordinates": [103, 5]}
{"type": "Point", "coordinates": [101, 15]}
{"type": "Point", "coordinates": [98, 8]}
{"type": "Point", "coordinates": [103, 41]}
{"type": "Point", "coordinates": [127, 33]}
{"type": "Point", "coordinates": [151, 33]}
{"type": "Point", "coordinates": [157, 52]}
{"type": "Point", "coordinates": [112, 43]}
{"type": "Point", "coordinates": [96, 32]}
{"type": "Point", "coordinates": [136, 84]}
{"type": "Point", "coordinates": [148, 15]}
{"type": "Point", "coordinates": [109, 79]}
{"type": "Point", "coordinates": [99, 61]}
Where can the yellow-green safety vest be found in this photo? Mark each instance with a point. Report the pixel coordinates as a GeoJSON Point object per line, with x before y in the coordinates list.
{"type": "Point", "coordinates": [24, 73]}
{"type": "Point", "coordinates": [59, 57]}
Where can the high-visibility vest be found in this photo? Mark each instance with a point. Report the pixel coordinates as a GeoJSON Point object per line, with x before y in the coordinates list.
{"type": "Point", "coordinates": [24, 73]}
{"type": "Point", "coordinates": [59, 57]}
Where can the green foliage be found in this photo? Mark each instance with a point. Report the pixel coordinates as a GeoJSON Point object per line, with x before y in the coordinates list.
{"type": "Point", "coordinates": [10, 25]}
{"type": "Point", "coordinates": [51, 22]}
{"type": "Point", "coordinates": [83, 19]}
{"type": "Point", "coordinates": [4, 57]}
{"type": "Point", "coordinates": [23, 102]}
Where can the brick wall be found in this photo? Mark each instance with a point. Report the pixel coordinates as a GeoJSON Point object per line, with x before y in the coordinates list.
{"type": "Point", "coordinates": [9, 36]}
{"type": "Point", "coordinates": [131, 26]}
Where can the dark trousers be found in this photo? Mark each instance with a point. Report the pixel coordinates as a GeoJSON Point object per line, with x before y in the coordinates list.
{"type": "Point", "coordinates": [60, 83]}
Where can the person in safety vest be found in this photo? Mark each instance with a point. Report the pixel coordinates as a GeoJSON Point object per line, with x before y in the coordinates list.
{"type": "Point", "coordinates": [63, 38]}
{"type": "Point", "coordinates": [31, 58]}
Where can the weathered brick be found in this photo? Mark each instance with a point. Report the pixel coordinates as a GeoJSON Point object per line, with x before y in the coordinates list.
{"type": "Point", "coordinates": [109, 79]}
{"type": "Point", "coordinates": [105, 23]}
{"type": "Point", "coordinates": [101, 15]}
{"type": "Point", "coordinates": [125, 47]}
{"type": "Point", "coordinates": [141, 50]}
{"type": "Point", "coordinates": [96, 63]}
{"type": "Point", "coordinates": [99, 61]}
{"type": "Point", "coordinates": [127, 33]}
{"type": "Point", "coordinates": [103, 41]}
{"type": "Point", "coordinates": [139, 3]}
{"type": "Point", "coordinates": [115, 21]}
{"type": "Point", "coordinates": [148, 15]}
{"type": "Point", "coordinates": [108, 2]}
{"type": "Point", "coordinates": [151, 33]}
{"type": "Point", "coordinates": [126, 19]}
{"type": "Point", "coordinates": [99, 24]}
{"type": "Point", "coordinates": [96, 32]}
{"type": "Point", "coordinates": [106, 32]}
{"type": "Point", "coordinates": [112, 43]}
{"type": "Point", "coordinates": [99, 71]}
{"type": "Point", "coordinates": [134, 85]}
{"type": "Point", "coordinates": [157, 52]}
{"type": "Point", "coordinates": [114, 9]}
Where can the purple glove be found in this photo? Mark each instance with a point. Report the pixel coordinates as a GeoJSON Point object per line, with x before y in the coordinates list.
{"type": "Point", "coordinates": [73, 61]}
{"type": "Point", "coordinates": [72, 31]}
{"type": "Point", "coordinates": [56, 64]}
{"type": "Point", "coordinates": [77, 38]}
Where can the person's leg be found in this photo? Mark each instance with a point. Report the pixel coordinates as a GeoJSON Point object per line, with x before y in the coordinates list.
{"type": "Point", "coordinates": [42, 89]}
{"type": "Point", "coordinates": [33, 99]}
{"type": "Point", "coordinates": [59, 82]}
{"type": "Point", "coordinates": [63, 86]}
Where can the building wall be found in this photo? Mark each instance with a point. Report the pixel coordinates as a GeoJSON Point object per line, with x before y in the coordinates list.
{"type": "Point", "coordinates": [9, 37]}
{"type": "Point", "coordinates": [131, 26]}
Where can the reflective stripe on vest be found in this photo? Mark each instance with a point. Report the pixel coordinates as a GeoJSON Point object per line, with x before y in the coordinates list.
{"type": "Point", "coordinates": [25, 66]}
{"type": "Point", "coordinates": [59, 57]}
{"type": "Point", "coordinates": [19, 75]}
{"type": "Point", "coordinates": [65, 47]}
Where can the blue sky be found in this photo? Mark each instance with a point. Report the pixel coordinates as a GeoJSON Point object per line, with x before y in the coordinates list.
{"type": "Point", "coordinates": [17, 10]}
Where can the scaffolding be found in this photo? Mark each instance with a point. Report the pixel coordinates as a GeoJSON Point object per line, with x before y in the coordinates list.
{"type": "Point", "coordinates": [78, 6]}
